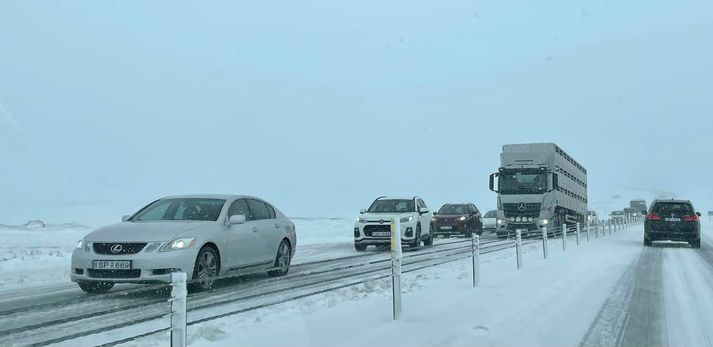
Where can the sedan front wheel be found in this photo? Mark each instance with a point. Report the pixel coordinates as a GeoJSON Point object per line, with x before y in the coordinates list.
{"type": "Point", "coordinates": [206, 269]}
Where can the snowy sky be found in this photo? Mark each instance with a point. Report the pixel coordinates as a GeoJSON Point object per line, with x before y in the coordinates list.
{"type": "Point", "coordinates": [321, 106]}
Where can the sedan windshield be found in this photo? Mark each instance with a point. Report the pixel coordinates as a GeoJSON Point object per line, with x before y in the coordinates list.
{"type": "Point", "coordinates": [453, 209]}
{"type": "Point", "coordinates": [392, 206]}
{"type": "Point", "coordinates": [196, 209]}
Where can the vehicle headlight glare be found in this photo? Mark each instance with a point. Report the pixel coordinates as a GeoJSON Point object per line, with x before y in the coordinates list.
{"type": "Point", "coordinates": [177, 244]}
{"type": "Point", "coordinates": [406, 219]}
{"type": "Point", "coordinates": [80, 244]}
{"type": "Point", "coordinates": [500, 221]}
{"type": "Point", "coordinates": [462, 218]}
{"type": "Point", "coordinates": [545, 221]}
{"type": "Point", "coordinates": [361, 220]}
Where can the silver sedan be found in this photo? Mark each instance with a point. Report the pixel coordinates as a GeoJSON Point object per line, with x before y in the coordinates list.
{"type": "Point", "coordinates": [206, 236]}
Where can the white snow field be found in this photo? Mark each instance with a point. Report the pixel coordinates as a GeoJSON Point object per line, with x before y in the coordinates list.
{"type": "Point", "coordinates": [581, 296]}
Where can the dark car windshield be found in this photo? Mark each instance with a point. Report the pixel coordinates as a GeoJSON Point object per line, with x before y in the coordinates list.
{"type": "Point", "coordinates": [667, 208]}
{"type": "Point", "coordinates": [616, 213]}
{"type": "Point", "coordinates": [454, 209]}
{"type": "Point", "coordinates": [196, 209]}
{"type": "Point", "coordinates": [392, 206]}
{"type": "Point", "coordinates": [522, 182]}
{"type": "Point", "coordinates": [491, 214]}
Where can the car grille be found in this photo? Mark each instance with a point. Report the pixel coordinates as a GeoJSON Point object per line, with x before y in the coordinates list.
{"type": "Point", "coordinates": [134, 273]}
{"type": "Point", "coordinates": [380, 228]}
{"type": "Point", "coordinates": [126, 248]}
{"type": "Point", "coordinates": [513, 210]}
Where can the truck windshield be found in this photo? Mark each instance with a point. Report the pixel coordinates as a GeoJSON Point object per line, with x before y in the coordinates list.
{"type": "Point", "coordinates": [522, 182]}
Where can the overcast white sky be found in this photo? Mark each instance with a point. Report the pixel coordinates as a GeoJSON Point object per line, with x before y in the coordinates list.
{"type": "Point", "coordinates": [321, 106]}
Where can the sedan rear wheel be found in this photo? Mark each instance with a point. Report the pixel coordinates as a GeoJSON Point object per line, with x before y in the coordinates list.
{"type": "Point", "coordinates": [206, 269]}
{"type": "Point", "coordinates": [95, 287]}
{"type": "Point", "coordinates": [282, 260]}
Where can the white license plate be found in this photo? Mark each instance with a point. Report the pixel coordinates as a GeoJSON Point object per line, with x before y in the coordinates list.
{"type": "Point", "coordinates": [673, 219]}
{"type": "Point", "coordinates": [448, 227]}
{"type": "Point", "coordinates": [381, 233]}
{"type": "Point", "coordinates": [112, 264]}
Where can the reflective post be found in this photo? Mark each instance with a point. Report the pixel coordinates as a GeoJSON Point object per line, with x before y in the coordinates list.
{"type": "Point", "coordinates": [475, 249]}
{"type": "Point", "coordinates": [564, 237]}
{"type": "Point", "coordinates": [589, 227]}
{"type": "Point", "coordinates": [609, 226]}
{"type": "Point", "coordinates": [596, 230]}
{"type": "Point", "coordinates": [577, 231]}
{"type": "Point", "coordinates": [178, 309]}
{"type": "Point", "coordinates": [518, 247]}
{"type": "Point", "coordinates": [544, 242]}
{"type": "Point", "coordinates": [396, 266]}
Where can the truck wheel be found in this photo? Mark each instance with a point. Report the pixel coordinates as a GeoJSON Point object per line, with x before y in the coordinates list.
{"type": "Point", "coordinates": [360, 248]}
{"type": "Point", "coordinates": [92, 287]}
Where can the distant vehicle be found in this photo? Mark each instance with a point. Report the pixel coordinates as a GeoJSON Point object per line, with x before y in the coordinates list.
{"type": "Point", "coordinates": [592, 217]}
{"type": "Point", "coordinates": [617, 216]}
{"type": "Point", "coordinates": [373, 227]}
{"type": "Point", "coordinates": [457, 220]}
{"type": "Point", "coordinates": [638, 205]}
{"type": "Point", "coordinates": [493, 221]}
{"type": "Point", "coordinates": [538, 185]}
{"type": "Point", "coordinates": [631, 212]}
{"type": "Point", "coordinates": [206, 236]}
{"type": "Point", "coordinates": [672, 220]}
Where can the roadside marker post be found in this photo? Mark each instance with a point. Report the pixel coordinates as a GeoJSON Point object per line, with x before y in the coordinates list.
{"type": "Point", "coordinates": [577, 231]}
{"type": "Point", "coordinates": [179, 291]}
{"type": "Point", "coordinates": [475, 250]}
{"type": "Point", "coordinates": [564, 237]}
{"type": "Point", "coordinates": [396, 255]}
{"type": "Point", "coordinates": [518, 247]}
{"type": "Point", "coordinates": [544, 242]}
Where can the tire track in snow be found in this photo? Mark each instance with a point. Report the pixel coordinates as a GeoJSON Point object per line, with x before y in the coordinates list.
{"type": "Point", "coordinates": [633, 315]}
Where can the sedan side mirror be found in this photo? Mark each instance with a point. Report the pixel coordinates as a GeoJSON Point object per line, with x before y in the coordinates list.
{"type": "Point", "coordinates": [362, 211]}
{"type": "Point", "coordinates": [423, 210]}
{"type": "Point", "coordinates": [698, 214]}
{"type": "Point", "coordinates": [435, 213]}
{"type": "Point", "coordinates": [125, 218]}
{"type": "Point", "coordinates": [237, 219]}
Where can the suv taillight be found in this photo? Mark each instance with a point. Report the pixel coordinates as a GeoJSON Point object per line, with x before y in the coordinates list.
{"type": "Point", "coordinates": [691, 218]}
{"type": "Point", "coordinates": [652, 216]}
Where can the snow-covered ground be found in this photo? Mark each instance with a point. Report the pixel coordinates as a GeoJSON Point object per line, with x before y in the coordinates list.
{"type": "Point", "coordinates": [551, 302]}
{"type": "Point", "coordinates": [38, 254]}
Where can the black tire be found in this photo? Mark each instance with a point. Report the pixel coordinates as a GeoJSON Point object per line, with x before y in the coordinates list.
{"type": "Point", "coordinates": [647, 242]}
{"type": "Point", "coordinates": [92, 287]}
{"type": "Point", "coordinates": [429, 240]}
{"type": "Point", "coordinates": [205, 270]}
{"type": "Point", "coordinates": [696, 244]}
{"type": "Point", "coordinates": [360, 248]}
{"type": "Point", "coordinates": [282, 260]}
{"type": "Point", "coordinates": [417, 237]}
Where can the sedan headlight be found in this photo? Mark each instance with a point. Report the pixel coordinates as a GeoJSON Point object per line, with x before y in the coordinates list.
{"type": "Point", "coordinates": [86, 246]}
{"type": "Point", "coordinates": [406, 219]}
{"type": "Point", "coordinates": [80, 244]}
{"type": "Point", "coordinates": [361, 220]}
{"type": "Point", "coordinates": [177, 244]}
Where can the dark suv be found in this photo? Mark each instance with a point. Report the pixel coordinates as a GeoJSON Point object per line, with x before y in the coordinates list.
{"type": "Point", "coordinates": [673, 220]}
{"type": "Point", "coordinates": [457, 220]}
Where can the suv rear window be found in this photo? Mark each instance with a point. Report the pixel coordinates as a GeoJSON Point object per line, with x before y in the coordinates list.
{"type": "Point", "coordinates": [666, 208]}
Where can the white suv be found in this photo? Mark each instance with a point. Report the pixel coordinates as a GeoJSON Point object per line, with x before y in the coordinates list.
{"type": "Point", "coordinates": [373, 227]}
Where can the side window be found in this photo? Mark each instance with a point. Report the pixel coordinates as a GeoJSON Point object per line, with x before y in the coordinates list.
{"type": "Point", "coordinates": [423, 204]}
{"type": "Point", "coordinates": [271, 210]}
{"type": "Point", "coordinates": [418, 205]}
{"type": "Point", "coordinates": [258, 209]}
{"type": "Point", "coordinates": [240, 207]}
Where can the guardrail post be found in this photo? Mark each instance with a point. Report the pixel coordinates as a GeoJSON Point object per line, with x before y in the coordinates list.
{"type": "Point", "coordinates": [178, 309]}
{"type": "Point", "coordinates": [518, 247]}
{"type": "Point", "coordinates": [589, 227]}
{"type": "Point", "coordinates": [475, 250]}
{"type": "Point", "coordinates": [544, 242]}
{"type": "Point", "coordinates": [596, 229]}
{"type": "Point", "coordinates": [609, 226]}
{"type": "Point", "coordinates": [564, 237]}
{"type": "Point", "coordinates": [396, 266]}
{"type": "Point", "coordinates": [578, 230]}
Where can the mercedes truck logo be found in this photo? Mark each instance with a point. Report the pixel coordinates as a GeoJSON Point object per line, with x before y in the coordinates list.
{"type": "Point", "coordinates": [522, 206]}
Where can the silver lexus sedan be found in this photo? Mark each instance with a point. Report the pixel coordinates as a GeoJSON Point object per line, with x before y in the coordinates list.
{"type": "Point", "coordinates": [206, 236]}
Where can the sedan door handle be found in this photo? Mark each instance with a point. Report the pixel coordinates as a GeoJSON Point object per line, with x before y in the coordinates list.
{"type": "Point", "coordinates": [277, 225]}
{"type": "Point", "coordinates": [254, 229]}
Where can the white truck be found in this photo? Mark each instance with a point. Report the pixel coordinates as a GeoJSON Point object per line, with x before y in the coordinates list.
{"type": "Point", "coordinates": [539, 185]}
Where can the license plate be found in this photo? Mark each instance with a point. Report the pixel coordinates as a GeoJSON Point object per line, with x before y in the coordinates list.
{"type": "Point", "coordinates": [112, 264]}
{"type": "Point", "coordinates": [446, 227]}
{"type": "Point", "coordinates": [673, 219]}
{"type": "Point", "coordinates": [381, 233]}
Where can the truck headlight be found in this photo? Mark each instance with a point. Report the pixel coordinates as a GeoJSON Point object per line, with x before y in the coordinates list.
{"type": "Point", "coordinates": [406, 219]}
{"type": "Point", "coordinates": [499, 221]}
{"type": "Point", "coordinates": [545, 221]}
{"type": "Point", "coordinates": [177, 244]}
